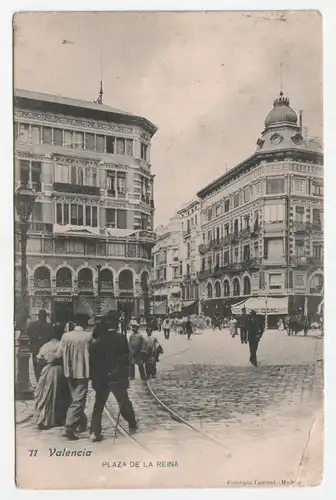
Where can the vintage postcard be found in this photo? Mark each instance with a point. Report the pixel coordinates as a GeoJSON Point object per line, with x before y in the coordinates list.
{"type": "Point", "coordinates": [169, 249]}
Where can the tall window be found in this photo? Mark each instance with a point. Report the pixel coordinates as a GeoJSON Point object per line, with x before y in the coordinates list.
{"type": "Point", "coordinates": [100, 143]}
{"type": "Point", "coordinates": [299, 248]}
{"type": "Point", "coordinates": [58, 137]}
{"type": "Point", "coordinates": [47, 135]}
{"type": "Point", "coordinates": [144, 151]}
{"type": "Point", "coordinates": [31, 171]}
{"type": "Point", "coordinates": [23, 132]}
{"type": "Point", "coordinates": [24, 172]}
{"type": "Point", "coordinates": [247, 194]}
{"type": "Point", "coordinates": [236, 227]}
{"type": "Point", "coordinates": [89, 142]}
{"type": "Point", "coordinates": [121, 183]}
{"type": "Point", "coordinates": [76, 214]}
{"type": "Point", "coordinates": [317, 251]}
{"type": "Point", "coordinates": [122, 219]}
{"type": "Point", "coordinates": [275, 186]}
{"type": "Point", "coordinates": [299, 214]}
{"type": "Point", "coordinates": [35, 134]}
{"type": "Point", "coordinates": [120, 147]}
{"type": "Point", "coordinates": [209, 214]}
{"type": "Point", "coordinates": [317, 189]}
{"type": "Point", "coordinates": [110, 216]}
{"type": "Point", "coordinates": [226, 206]}
{"type": "Point", "coordinates": [236, 200]}
{"type": "Point", "coordinates": [110, 182]}
{"type": "Point", "coordinates": [78, 140]}
{"type": "Point", "coordinates": [274, 213]}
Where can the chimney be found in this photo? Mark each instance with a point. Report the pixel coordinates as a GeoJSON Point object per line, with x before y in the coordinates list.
{"type": "Point", "coordinates": [300, 118]}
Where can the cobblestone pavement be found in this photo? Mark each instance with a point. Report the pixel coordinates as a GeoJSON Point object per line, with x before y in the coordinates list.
{"type": "Point", "coordinates": [262, 416]}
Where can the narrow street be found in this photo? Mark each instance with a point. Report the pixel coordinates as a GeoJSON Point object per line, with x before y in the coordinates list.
{"type": "Point", "coordinates": [260, 419]}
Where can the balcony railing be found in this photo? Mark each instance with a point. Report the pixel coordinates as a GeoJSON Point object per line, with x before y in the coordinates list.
{"type": "Point", "coordinates": [63, 187]}
{"type": "Point", "coordinates": [40, 227]}
{"type": "Point", "coordinates": [304, 260]}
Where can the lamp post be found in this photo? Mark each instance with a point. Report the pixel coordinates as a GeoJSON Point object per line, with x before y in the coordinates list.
{"type": "Point", "coordinates": [24, 202]}
{"type": "Point", "coordinates": [98, 290]}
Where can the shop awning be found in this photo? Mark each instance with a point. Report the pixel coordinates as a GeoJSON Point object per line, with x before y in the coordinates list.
{"type": "Point", "coordinates": [188, 303]}
{"type": "Point", "coordinates": [162, 292]}
{"type": "Point", "coordinates": [275, 305]}
{"type": "Point", "coordinates": [175, 289]}
{"type": "Point", "coordinates": [160, 307]}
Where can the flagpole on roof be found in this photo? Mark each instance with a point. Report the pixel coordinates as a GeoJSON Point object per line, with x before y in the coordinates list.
{"type": "Point", "coordinates": [99, 99]}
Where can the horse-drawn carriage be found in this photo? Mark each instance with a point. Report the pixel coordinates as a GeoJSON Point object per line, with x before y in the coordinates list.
{"type": "Point", "coordinates": [297, 323]}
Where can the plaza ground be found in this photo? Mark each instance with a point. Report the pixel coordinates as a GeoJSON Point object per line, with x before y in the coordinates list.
{"type": "Point", "coordinates": [267, 420]}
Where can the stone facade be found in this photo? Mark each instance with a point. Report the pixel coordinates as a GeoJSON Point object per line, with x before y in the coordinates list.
{"type": "Point", "coordinates": [262, 222]}
{"type": "Point", "coordinates": [90, 167]}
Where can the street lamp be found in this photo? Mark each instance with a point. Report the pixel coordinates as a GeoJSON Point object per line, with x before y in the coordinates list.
{"type": "Point", "coordinates": [24, 202]}
{"type": "Point", "coordinates": [99, 266]}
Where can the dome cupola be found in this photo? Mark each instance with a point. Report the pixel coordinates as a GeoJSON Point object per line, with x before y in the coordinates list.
{"type": "Point", "coordinates": [281, 112]}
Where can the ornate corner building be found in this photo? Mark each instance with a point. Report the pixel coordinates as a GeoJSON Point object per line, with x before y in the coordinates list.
{"type": "Point", "coordinates": [262, 222]}
{"type": "Point", "coordinates": [90, 167]}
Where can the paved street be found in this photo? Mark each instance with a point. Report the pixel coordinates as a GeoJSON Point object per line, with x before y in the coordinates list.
{"type": "Point", "coordinates": [264, 418]}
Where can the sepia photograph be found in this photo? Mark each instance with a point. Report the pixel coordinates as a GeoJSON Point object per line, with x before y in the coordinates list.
{"type": "Point", "coordinates": [168, 249]}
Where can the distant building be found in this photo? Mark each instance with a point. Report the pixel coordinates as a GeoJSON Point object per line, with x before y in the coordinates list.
{"type": "Point", "coordinates": [262, 222]}
{"type": "Point", "coordinates": [90, 166]}
{"type": "Point", "coordinates": [191, 261]}
{"type": "Point", "coordinates": [167, 268]}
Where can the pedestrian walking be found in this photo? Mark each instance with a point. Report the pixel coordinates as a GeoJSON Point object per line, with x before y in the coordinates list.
{"type": "Point", "coordinates": [39, 333]}
{"type": "Point", "coordinates": [123, 323]}
{"type": "Point", "coordinates": [137, 348]}
{"type": "Point", "coordinates": [153, 350]}
{"type": "Point", "coordinates": [166, 325]}
{"type": "Point", "coordinates": [52, 396]}
{"type": "Point", "coordinates": [74, 348]}
{"type": "Point", "coordinates": [233, 327]}
{"type": "Point", "coordinates": [159, 324]}
{"type": "Point", "coordinates": [243, 326]}
{"type": "Point", "coordinates": [109, 371]}
{"type": "Point", "coordinates": [255, 330]}
{"type": "Point", "coordinates": [188, 327]}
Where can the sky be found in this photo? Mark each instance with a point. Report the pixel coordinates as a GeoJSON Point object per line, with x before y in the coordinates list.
{"type": "Point", "coordinates": [207, 80]}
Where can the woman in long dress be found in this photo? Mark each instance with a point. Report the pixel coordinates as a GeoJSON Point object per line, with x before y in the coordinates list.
{"type": "Point", "coordinates": [52, 393]}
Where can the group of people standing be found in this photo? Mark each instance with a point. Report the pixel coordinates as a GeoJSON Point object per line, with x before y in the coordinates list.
{"type": "Point", "coordinates": [66, 358]}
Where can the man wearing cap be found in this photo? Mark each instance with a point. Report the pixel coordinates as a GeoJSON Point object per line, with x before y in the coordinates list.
{"type": "Point", "coordinates": [255, 329]}
{"type": "Point", "coordinates": [109, 368]}
{"type": "Point", "coordinates": [39, 333]}
{"type": "Point", "coordinates": [138, 352]}
{"type": "Point", "coordinates": [74, 349]}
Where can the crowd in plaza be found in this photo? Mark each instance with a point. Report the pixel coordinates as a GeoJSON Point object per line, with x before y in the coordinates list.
{"type": "Point", "coordinates": [66, 357]}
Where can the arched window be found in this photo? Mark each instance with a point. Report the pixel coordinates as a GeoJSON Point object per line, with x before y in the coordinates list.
{"type": "Point", "coordinates": [217, 289]}
{"type": "Point", "coordinates": [209, 290]}
{"type": "Point", "coordinates": [85, 278]}
{"type": "Point", "coordinates": [106, 280]}
{"type": "Point", "coordinates": [144, 282]}
{"type": "Point", "coordinates": [126, 280]}
{"type": "Point", "coordinates": [42, 278]}
{"type": "Point", "coordinates": [64, 278]}
{"type": "Point", "coordinates": [247, 286]}
{"type": "Point", "coordinates": [236, 286]}
{"type": "Point", "coordinates": [226, 288]}
{"type": "Point", "coordinates": [316, 283]}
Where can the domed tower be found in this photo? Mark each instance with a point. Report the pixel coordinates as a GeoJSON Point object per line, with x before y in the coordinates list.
{"type": "Point", "coordinates": [282, 130]}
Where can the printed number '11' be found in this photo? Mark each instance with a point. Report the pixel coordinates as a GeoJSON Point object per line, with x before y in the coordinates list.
{"type": "Point", "coordinates": [32, 453]}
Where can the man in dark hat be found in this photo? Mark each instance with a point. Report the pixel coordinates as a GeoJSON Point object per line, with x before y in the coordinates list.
{"type": "Point", "coordinates": [109, 368]}
{"type": "Point", "coordinates": [243, 326]}
{"type": "Point", "coordinates": [255, 329]}
{"type": "Point", "coordinates": [74, 349]}
{"type": "Point", "coordinates": [39, 333]}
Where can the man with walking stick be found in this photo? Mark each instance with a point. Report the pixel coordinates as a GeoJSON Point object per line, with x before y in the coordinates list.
{"type": "Point", "coordinates": [109, 369]}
